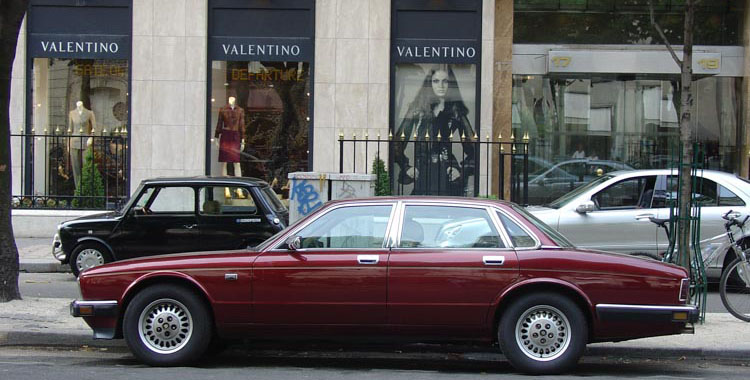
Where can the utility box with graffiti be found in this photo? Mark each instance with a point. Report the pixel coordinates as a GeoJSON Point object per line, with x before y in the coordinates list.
{"type": "Point", "coordinates": [310, 190]}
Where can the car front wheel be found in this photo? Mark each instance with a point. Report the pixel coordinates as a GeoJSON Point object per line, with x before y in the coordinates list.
{"type": "Point", "coordinates": [88, 255]}
{"type": "Point", "coordinates": [167, 325]}
{"type": "Point", "coordinates": [543, 333]}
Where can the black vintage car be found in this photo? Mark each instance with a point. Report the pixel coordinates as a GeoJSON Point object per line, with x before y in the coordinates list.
{"type": "Point", "coordinates": [169, 215]}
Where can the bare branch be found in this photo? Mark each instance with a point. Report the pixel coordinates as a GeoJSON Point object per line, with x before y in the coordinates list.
{"type": "Point", "coordinates": [662, 35]}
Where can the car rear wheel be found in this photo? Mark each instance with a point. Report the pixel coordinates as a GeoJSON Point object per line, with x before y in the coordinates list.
{"type": "Point", "coordinates": [88, 255]}
{"type": "Point", "coordinates": [543, 333]}
{"type": "Point", "coordinates": [167, 325]}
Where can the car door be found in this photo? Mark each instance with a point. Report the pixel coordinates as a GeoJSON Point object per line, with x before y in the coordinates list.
{"type": "Point", "coordinates": [449, 264]}
{"type": "Point", "coordinates": [231, 217]}
{"type": "Point", "coordinates": [162, 220]}
{"type": "Point", "coordinates": [620, 221]}
{"type": "Point", "coordinates": [337, 277]}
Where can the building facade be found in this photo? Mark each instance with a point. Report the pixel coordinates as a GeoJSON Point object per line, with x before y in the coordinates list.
{"type": "Point", "coordinates": [146, 88]}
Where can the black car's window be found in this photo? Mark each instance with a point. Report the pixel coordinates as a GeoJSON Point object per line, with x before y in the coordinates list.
{"type": "Point", "coordinates": [728, 198]}
{"type": "Point", "coordinates": [348, 227]}
{"type": "Point", "coordinates": [143, 199]}
{"type": "Point", "coordinates": [273, 200]}
{"type": "Point", "coordinates": [226, 200]}
{"type": "Point", "coordinates": [627, 194]}
{"type": "Point", "coordinates": [173, 200]}
{"type": "Point", "coordinates": [448, 227]}
{"type": "Point", "coordinates": [519, 237]}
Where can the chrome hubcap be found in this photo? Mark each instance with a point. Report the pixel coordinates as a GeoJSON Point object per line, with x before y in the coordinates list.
{"type": "Point", "coordinates": [165, 326]}
{"type": "Point", "coordinates": [543, 333]}
{"type": "Point", "coordinates": [89, 258]}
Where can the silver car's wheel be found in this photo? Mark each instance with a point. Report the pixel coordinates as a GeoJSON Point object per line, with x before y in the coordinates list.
{"type": "Point", "coordinates": [89, 258]}
{"type": "Point", "coordinates": [165, 326]}
{"type": "Point", "coordinates": [543, 333]}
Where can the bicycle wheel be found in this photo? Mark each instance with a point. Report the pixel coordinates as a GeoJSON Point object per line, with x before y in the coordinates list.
{"type": "Point", "coordinates": [735, 289]}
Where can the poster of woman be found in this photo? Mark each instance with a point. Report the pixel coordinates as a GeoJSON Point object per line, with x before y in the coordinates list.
{"type": "Point", "coordinates": [435, 150]}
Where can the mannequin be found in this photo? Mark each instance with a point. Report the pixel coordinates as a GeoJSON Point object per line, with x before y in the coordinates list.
{"type": "Point", "coordinates": [230, 130]}
{"type": "Point", "coordinates": [81, 122]}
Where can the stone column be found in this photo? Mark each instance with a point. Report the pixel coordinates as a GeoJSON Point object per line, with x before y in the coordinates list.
{"type": "Point", "coordinates": [745, 119]}
{"type": "Point", "coordinates": [18, 110]}
{"type": "Point", "coordinates": [502, 84]}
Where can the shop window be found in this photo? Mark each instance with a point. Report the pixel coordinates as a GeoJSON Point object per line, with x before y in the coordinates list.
{"type": "Point", "coordinates": [76, 148]}
{"type": "Point", "coordinates": [260, 118]}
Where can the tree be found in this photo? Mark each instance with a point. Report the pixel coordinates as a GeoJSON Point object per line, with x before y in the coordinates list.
{"type": "Point", "coordinates": [90, 190]}
{"type": "Point", "coordinates": [686, 139]}
{"type": "Point", "coordinates": [11, 16]}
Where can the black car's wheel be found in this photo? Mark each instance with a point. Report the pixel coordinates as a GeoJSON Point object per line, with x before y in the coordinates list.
{"type": "Point", "coordinates": [543, 333]}
{"type": "Point", "coordinates": [167, 325]}
{"type": "Point", "coordinates": [88, 255]}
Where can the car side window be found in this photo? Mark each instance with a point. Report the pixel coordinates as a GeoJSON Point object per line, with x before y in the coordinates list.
{"type": "Point", "coordinates": [348, 227]}
{"type": "Point", "coordinates": [728, 198]}
{"type": "Point", "coordinates": [174, 200]}
{"type": "Point", "coordinates": [226, 200]}
{"type": "Point", "coordinates": [448, 227]}
{"type": "Point", "coordinates": [706, 191]}
{"type": "Point", "coordinates": [143, 199]}
{"type": "Point", "coordinates": [519, 237]}
{"type": "Point", "coordinates": [630, 193]}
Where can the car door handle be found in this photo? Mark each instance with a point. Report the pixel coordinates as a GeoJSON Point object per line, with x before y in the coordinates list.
{"type": "Point", "coordinates": [644, 216]}
{"type": "Point", "coordinates": [191, 226]}
{"type": "Point", "coordinates": [734, 215]}
{"type": "Point", "coordinates": [368, 259]}
{"type": "Point", "coordinates": [493, 260]}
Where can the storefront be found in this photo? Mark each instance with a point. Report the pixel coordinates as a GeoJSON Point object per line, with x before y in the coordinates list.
{"type": "Point", "coordinates": [75, 141]}
{"type": "Point", "coordinates": [435, 96]}
{"type": "Point", "coordinates": [261, 70]}
{"type": "Point", "coordinates": [612, 97]}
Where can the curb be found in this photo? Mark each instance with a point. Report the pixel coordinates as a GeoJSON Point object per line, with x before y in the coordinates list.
{"type": "Point", "coordinates": [39, 338]}
{"type": "Point", "coordinates": [43, 267]}
{"type": "Point", "coordinates": [670, 352]}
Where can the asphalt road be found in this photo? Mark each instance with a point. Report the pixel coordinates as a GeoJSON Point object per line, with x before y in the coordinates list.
{"type": "Point", "coordinates": [64, 285]}
{"type": "Point", "coordinates": [86, 363]}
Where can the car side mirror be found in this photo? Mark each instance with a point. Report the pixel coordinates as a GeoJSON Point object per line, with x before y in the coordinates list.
{"type": "Point", "coordinates": [293, 243]}
{"type": "Point", "coordinates": [586, 207]}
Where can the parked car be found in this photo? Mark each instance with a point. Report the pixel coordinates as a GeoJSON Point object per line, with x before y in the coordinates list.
{"type": "Point", "coordinates": [416, 269]}
{"type": "Point", "coordinates": [169, 215]}
{"type": "Point", "coordinates": [611, 213]}
{"type": "Point", "coordinates": [550, 182]}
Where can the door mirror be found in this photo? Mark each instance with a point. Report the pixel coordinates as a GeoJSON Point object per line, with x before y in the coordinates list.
{"type": "Point", "coordinates": [293, 243]}
{"type": "Point", "coordinates": [585, 207]}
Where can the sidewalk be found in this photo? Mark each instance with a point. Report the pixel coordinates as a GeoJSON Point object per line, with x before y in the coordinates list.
{"type": "Point", "coordinates": [47, 322]}
{"type": "Point", "coordinates": [35, 256]}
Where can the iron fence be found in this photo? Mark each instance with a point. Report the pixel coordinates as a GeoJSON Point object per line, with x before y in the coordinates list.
{"type": "Point", "coordinates": [65, 171]}
{"type": "Point", "coordinates": [434, 160]}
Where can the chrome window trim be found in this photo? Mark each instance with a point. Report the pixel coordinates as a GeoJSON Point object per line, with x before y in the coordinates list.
{"type": "Point", "coordinates": [298, 228]}
{"type": "Point", "coordinates": [463, 204]}
{"type": "Point", "coordinates": [523, 227]}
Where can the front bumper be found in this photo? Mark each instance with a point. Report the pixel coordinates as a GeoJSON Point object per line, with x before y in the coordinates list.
{"type": "Point", "coordinates": [647, 313]}
{"type": "Point", "coordinates": [93, 308]}
{"type": "Point", "coordinates": [57, 250]}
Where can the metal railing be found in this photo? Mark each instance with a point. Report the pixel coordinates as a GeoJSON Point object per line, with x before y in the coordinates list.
{"type": "Point", "coordinates": [65, 171]}
{"type": "Point", "coordinates": [355, 155]}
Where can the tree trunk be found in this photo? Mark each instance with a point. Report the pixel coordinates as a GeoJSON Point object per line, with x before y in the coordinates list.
{"type": "Point", "coordinates": [686, 139]}
{"type": "Point", "coordinates": [11, 16]}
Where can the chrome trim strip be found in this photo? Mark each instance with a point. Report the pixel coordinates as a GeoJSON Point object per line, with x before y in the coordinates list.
{"type": "Point", "coordinates": [95, 303]}
{"type": "Point", "coordinates": [645, 307]}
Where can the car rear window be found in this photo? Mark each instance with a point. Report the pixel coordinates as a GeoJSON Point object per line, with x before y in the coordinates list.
{"type": "Point", "coordinates": [272, 199]}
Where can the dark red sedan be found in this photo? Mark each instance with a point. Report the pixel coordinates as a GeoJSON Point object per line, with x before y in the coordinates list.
{"type": "Point", "coordinates": [437, 269]}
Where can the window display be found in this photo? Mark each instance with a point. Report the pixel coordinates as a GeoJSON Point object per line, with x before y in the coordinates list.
{"type": "Point", "coordinates": [434, 125]}
{"type": "Point", "coordinates": [78, 136]}
{"type": "Point", "coordinates": [260, 119]}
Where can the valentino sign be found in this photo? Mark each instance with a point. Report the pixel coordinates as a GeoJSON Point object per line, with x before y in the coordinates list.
{"type": "Point", "coordinates": [261, 49]}
{"type": "Point", "coordinates": [436, 52]}
{"type": "Point", "coordinates": [79, 47]}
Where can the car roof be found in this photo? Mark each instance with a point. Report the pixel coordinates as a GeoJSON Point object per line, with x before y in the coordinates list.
{"type": "Point", "coordinates": [426, 199]}
{"type": "Point", "coordinates": [670, 171]}
{"type": "Point", "coordinates": [248, 181]}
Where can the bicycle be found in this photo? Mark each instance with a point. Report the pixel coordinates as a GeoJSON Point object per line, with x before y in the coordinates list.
{"type": "Point", "coordinates": [734, 286]}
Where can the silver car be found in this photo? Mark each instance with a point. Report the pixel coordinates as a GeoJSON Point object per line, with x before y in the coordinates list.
{"type": "Point", "coordinates": [612, 212]}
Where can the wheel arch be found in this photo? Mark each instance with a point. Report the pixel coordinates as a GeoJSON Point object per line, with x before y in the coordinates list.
{"type": "Point", "coordinates": [543, 285]}
{"type": "Point", "coordinates": [92, 239]}
{"type": "Point", "coordinates": [159, 278]}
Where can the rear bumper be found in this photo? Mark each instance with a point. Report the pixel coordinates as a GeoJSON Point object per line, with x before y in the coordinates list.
{"type": "Point", "coordinates": [647, 313]}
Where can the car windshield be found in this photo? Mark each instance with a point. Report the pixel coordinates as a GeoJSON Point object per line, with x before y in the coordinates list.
{"type": "Point", "coordinates": [273, 200]}
{"type": "Point", "coordinates": [565, 199]}
{"type": "Point", "coordinates": [560, 240]}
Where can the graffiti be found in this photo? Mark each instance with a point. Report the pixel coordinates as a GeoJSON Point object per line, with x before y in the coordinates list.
{"type": "Point", "coordinates": [307, 197]}
{"type": "Point", "coordinates": [347, 191]}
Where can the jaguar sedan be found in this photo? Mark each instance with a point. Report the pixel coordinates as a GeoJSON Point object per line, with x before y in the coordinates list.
{"type": "Point", "coordinates": [415, 269]}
